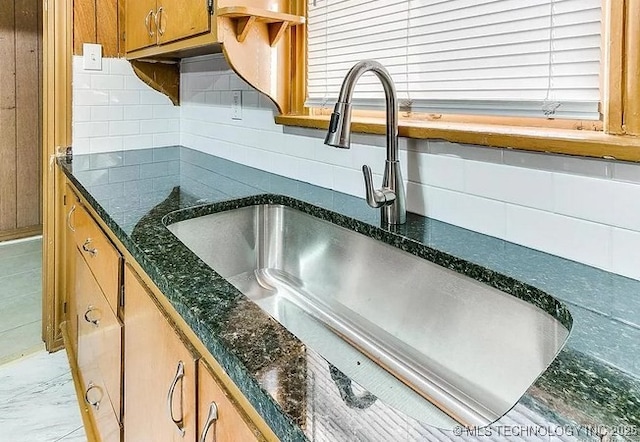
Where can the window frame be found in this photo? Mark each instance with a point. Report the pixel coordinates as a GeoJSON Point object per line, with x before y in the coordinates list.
{"type": "Point", "coordinates": [615, 136]}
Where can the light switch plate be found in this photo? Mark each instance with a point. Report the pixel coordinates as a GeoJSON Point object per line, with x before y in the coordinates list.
{"type": "Point", "coordinates": [236, 105]}
{"type": "Point", "coordinates": [92, 57]}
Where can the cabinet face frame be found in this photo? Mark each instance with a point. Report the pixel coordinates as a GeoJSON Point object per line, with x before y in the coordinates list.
{"type": "Point", "coordinates": [57, 46]}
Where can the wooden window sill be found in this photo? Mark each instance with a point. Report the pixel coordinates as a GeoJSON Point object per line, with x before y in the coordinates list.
{"type": "Point", "coordinates": [589, 143]}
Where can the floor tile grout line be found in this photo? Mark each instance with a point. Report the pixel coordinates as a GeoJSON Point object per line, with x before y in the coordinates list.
{"type": "Point", "coordinates": [68, 434]}
{"type": "Point", "coordinates": [21, 325]}
{"type": "Point", "coordinates": [31, 388]}
{"type": "Point", "coordinates": [18, 295]}
{"type": "Point", "coordinates": [20, 273]}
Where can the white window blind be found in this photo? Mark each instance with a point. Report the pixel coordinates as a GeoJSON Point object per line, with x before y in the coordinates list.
{"type": "Point", "coordinates": [497, 57]}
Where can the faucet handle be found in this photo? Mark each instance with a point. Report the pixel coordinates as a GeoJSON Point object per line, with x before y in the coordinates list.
{"type": "Point", "coordinates": [376, 198]}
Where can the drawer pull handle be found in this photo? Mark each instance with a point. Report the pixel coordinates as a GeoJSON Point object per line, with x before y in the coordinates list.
{"type": "Point", "coordinates": [172, 389]}
{"type": "Point", "coordinates": [212, 418]}
{"type": "Point", "coordinates": [95, 320]}
{"type": "Point", "coordinates": [96, 403]}
{"type": "Point", "coordinates": [147, 23]}
{"type": "Point", "coordinates": [159, 21]}
{"type": "Point", "coordinates": [91, 251]}
{"type": "Point", "coordinates": [73, 209]}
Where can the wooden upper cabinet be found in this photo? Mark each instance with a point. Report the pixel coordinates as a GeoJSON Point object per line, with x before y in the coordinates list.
{"type": "Point", "coordinates": [140, 24]}
{"type": "Point", "coordinates": [160, 372]}
{"type": "Point", "coordinates": [178, 19]}
{"type": "Point", "coordinates": [157, 22]}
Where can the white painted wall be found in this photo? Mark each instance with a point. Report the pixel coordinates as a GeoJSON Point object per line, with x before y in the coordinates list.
{"type": "Point", "coordinates": [587, 210]}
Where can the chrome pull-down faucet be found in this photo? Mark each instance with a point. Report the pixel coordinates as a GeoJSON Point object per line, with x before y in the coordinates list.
{"type": "Point", "coordinates": [391, 198]}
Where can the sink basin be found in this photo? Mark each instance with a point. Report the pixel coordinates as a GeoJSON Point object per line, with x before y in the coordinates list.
{"type": "Point", "coordinates": [467, 348]}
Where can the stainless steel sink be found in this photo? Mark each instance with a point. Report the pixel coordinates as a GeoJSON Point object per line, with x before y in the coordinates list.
{"type": "Point", "coordinates": [469, 349]}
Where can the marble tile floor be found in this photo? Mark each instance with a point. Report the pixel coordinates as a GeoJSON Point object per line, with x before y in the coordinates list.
{"type": "Point", "coordinates": [20, 298]}
{"type": "Point", "coordinates": [37, 400]}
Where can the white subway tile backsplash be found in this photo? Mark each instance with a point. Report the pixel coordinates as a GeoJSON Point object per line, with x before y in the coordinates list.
{"type": "Point", "coordinates": [626, 205]}
{"type": "Point", "coordinates": [119, 66]}
{"type": "Point", "coordinates": [89, 97]}
{"type": "Point", "coordinates": [81, 81]}
{"type": "Point", "coordinates": [152, 97]}
{"type": "Point", "coordinates": [137, 141]}
{"type": "Point", "coordinates": [106, 113]}
{"type": "Point", "coordinates": [138, 112]}
{"type": "Point", "coordinates": [124, 97]}
{"type": "Point", "coordinates": [625, 246]}
{"type": "Point", "coordinates": [629, 172]}
{"type": "Point", "coordinates": [157, 126]}
{"type": "Point", "coordinates": [168, 139]}
{"type": "Point", "coordinates": [132, 82]}
{"type": "Point", "coordinates": [91, 129]}
{"type": "Point", "coordinates": [124, 128]}
{"type": "Point", "coordinates": [571, 238]}
{"type": "Point", "coordinates": [350, 181]}
{"type": "Point", "coordinates": [164, 111]}
{"type": "Point", "coordinates": [436, 170]}
{"type": "Point", "coordinates": [105, 144]}
{"type": "Point", "coordinates": [516, 185]}
{"type": "Point", "coordinates": [582, 197]}
{"type": "Point", "coordinates": [80, 114]}
{"type": "Point", "coordinates": [107, 82]}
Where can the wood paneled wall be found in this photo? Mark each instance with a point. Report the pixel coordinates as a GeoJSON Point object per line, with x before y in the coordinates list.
{"type": "Point", "coordinates": [20, 118]}
{"type": "Point", "coordinates": [98, 21]}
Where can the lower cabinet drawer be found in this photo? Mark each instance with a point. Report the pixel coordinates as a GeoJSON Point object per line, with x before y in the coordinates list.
{"type": "Point", "coordinates": [99, 351]}
{"type": "Point", "coordinates": [101, 256]}
{"type": "Point", "coordinates": [97, 400]}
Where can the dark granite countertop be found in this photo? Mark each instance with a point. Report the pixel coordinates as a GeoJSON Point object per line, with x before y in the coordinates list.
{"type": "Point", "coordinates": [593, 386]}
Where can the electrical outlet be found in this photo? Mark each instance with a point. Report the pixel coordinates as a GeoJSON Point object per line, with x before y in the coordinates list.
{"type": "Point", "coordinates": [236, 105]}
{"type": "Point", "coordinates": [92, 58]}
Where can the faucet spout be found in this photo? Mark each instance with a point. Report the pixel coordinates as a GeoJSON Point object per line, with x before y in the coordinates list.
{"type": "Point", "coordinates": [391, 198]}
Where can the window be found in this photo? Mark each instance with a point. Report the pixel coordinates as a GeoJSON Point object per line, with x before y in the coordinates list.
{"type": "Point", "coordinates": [535, 58]}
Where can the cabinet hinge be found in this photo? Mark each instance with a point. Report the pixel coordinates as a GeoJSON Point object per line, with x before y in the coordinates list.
{"type": "Point", "coordinates": [210, 6]}
{"type": "Point", "coordinates": [64, 307]}
{"type": "Point", "coordinates": [64, 200]}
{"type": "Point", "coordinates": [121, 303]}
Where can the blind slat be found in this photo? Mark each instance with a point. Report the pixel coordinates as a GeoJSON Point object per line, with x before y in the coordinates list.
{"type": "Point", "coordinates": [468, 56]}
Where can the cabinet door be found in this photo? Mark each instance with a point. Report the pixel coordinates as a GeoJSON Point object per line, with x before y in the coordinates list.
{"type": "Point", "coordinates": [140, 26]}
{"type": "Point", "coordinates": [178, 19]}
{"type": "Point", "coordinates": [160, 372]}
{"type": "Point", "coordinates": [99, 353]}
{"type": "Point", "coordinates": [70, 252]}
{"type": "Point", "coordinates": [218, 418]}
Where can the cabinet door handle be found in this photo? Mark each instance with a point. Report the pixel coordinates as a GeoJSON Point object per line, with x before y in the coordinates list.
{"type": "Point", "coordinates": [147, 23]}
{"type": "Point", "coordinates": [172, 389]}
{"type": "Point", "coordinates": [212, 418]}
{"type": "Point", "coordinates": [159, 21]}
{"type": "Point", "coordinates": [73, 209]}
{"type": "Point", "coordinates": [96, 403]}
{"type": "Point", "coordinates": [91, 251]}
{"type": "Point", "coordinates": [95, 321]}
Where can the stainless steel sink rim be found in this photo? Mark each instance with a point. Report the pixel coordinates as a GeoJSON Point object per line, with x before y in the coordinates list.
{"type": "Point", "coordinates": [394, 238]}
{"type": "Point", "coordinates": [454, 401]}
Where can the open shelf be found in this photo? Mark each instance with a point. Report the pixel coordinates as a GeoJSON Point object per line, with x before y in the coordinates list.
{"type": "Point", "coordinates": [245, 17]}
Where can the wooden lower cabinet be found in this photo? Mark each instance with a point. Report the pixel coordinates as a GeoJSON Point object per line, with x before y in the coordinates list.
{"type": "Point", "coordinates": [218, 418]}
{"type": "Point", "coordinates": [98, 353]}
{"type": "Point", "coordinates": [137, 376]}
{"type": "Point", "coordinates": [160, 372]}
